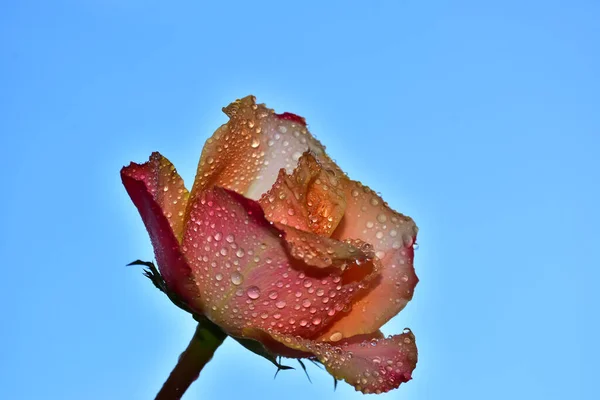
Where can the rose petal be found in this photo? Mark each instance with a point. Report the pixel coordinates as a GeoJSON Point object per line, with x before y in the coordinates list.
{"type": "Point", "coordinates": [159, 194]}
{"type": "Point", "coordinates": [324, 252]}
{"type": "Point", "coordinates": [311, 198]}
{"type": "Point", "coordinates": [392, 236]}
{"type": "Point", "coordinates": [246, 277]}
{"type": "Point", "coordinates": [373, 365]}
{"type": "Point", "coordinates": [246, 154]}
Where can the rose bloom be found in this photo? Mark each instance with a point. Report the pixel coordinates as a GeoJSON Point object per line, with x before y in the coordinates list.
{"type": "Point", "coordinates": [275, 243]}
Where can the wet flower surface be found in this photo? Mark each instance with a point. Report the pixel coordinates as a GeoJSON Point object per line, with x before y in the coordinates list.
{"type": "Point", "coordinates": [275, 243]}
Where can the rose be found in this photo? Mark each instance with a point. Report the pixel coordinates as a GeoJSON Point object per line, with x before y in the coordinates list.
{"type": "Point", "coordinates": [274, 243]}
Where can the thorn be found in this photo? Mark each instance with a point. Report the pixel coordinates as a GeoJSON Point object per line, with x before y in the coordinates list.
{"type": "Point", "coordinates": [304, 368]}
{"type": "Point", "coordinates": [335, 381]}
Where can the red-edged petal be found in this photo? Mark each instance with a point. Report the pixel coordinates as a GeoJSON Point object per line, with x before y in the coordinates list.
{"type": "Point", "coordinates": [246, 277]}
{"type": "Point", "coordinates": [159, 194]}
{"type": "Point", "coordinates": [311, 198]}
{"type": "Point", "coordinates": [370, 364]}
{"type": "Point", "coordinates": [392, 236]}
{"type": "Point", "coordinates": [246, 154]}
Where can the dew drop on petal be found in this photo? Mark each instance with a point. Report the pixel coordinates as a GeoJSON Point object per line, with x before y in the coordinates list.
{"type": "Point", "coordinates": [237, 278]}
{"type": "Point", "coordinates": [253, 292]}
{"type": "Point", "coordinates": [336, 336]}
{"type": "Point", "coordinates": [280, 304]}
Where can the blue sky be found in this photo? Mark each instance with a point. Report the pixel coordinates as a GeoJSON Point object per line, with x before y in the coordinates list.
{"type": "Point", "coordinates": [478, 119]}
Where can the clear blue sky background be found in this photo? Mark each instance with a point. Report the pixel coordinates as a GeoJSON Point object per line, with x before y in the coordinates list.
{"type": "Point", "coordinates": [480, 119]}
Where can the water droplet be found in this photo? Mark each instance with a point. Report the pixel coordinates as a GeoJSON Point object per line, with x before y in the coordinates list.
{"type": "Point", "coordinates": [381, 218]}
{"type": "Point", "coordinates": [273, 295]}
{"type": "Point", "coordinates": [237, 278]}
{"type": "Point", "coordinates": [316, 320]}
{"type": "Point", "coordinates": [354, 193]}
{"type": "Point", "coordinates": [335, 336]}
{"type": "Point", "coordinates": [307, 283]}
{"type": "Point", "coordinates": [280, 304]}
{"type": "Point", "coordinates": [240, 253]}
{"type": "Point", "coordinates": [217, 236]}
{"type": "Point", "coordinates": [415, 246]}
{"type": "Point", "coordinates": [253, 292]}
{"type": "Point", "coordinates": [219, 276]}
{"type": "Point", "coordinates": [255, 143]}
{"type": "Point", "coordinates": [223, 251]}
{"type": "Point", "coordinates": [230, 238]}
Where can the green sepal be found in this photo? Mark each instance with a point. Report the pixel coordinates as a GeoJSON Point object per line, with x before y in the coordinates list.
{"type": "Point", "coordinates": [257, 348]}
{"type": "Point", "coordinates": [152, 273]}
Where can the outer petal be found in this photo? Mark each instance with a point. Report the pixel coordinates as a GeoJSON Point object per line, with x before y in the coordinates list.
{"type": "Point", "coordinates": [246, 277]}
{"type": "Point", "coordinates": [246, 154]}
{"type": "Point", "coordinates": [374, 365]}
{"type": "Point", "coordinates": [392, 235]}
{"type": "Point", "coordinates": [311, 198]}
{"type": "Point", "coordinates": [158, 192]}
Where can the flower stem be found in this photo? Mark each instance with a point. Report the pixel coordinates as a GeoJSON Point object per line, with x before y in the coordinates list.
{"type": "Point", "coordinates": [207, 338]}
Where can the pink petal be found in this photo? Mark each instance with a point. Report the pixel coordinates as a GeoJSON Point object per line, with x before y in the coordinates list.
{"type": "Point", "coordinates": [311, 198]}
{"type": "Point", "coordinates": [392, 236]}
{"type": "Point", "coordinates": [158, 192]}
{"type": "Point", "coordinates": [246, 277]}
{"type": "Point", "coordinates": [370, 364]}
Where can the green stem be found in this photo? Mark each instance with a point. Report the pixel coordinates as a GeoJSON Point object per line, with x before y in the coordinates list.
{"type": "Point", "coordinates": [207, 338]}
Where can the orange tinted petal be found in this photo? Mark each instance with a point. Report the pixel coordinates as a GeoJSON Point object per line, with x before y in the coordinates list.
{"type": "Point", "coordinates": [324, 252]}
{"type": "Point", "coordinates": [392, 236]}
{"type": "Point", "coordinates": [158, 192]}
{"type": "Point", "coordinates": [311, 198]}
{"type": "Point", "coordinates": [246, 154]}
{"type": "Point", "coordinates": [246, 277]}
{"type": "Point", "coordinates": [371, 365]}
